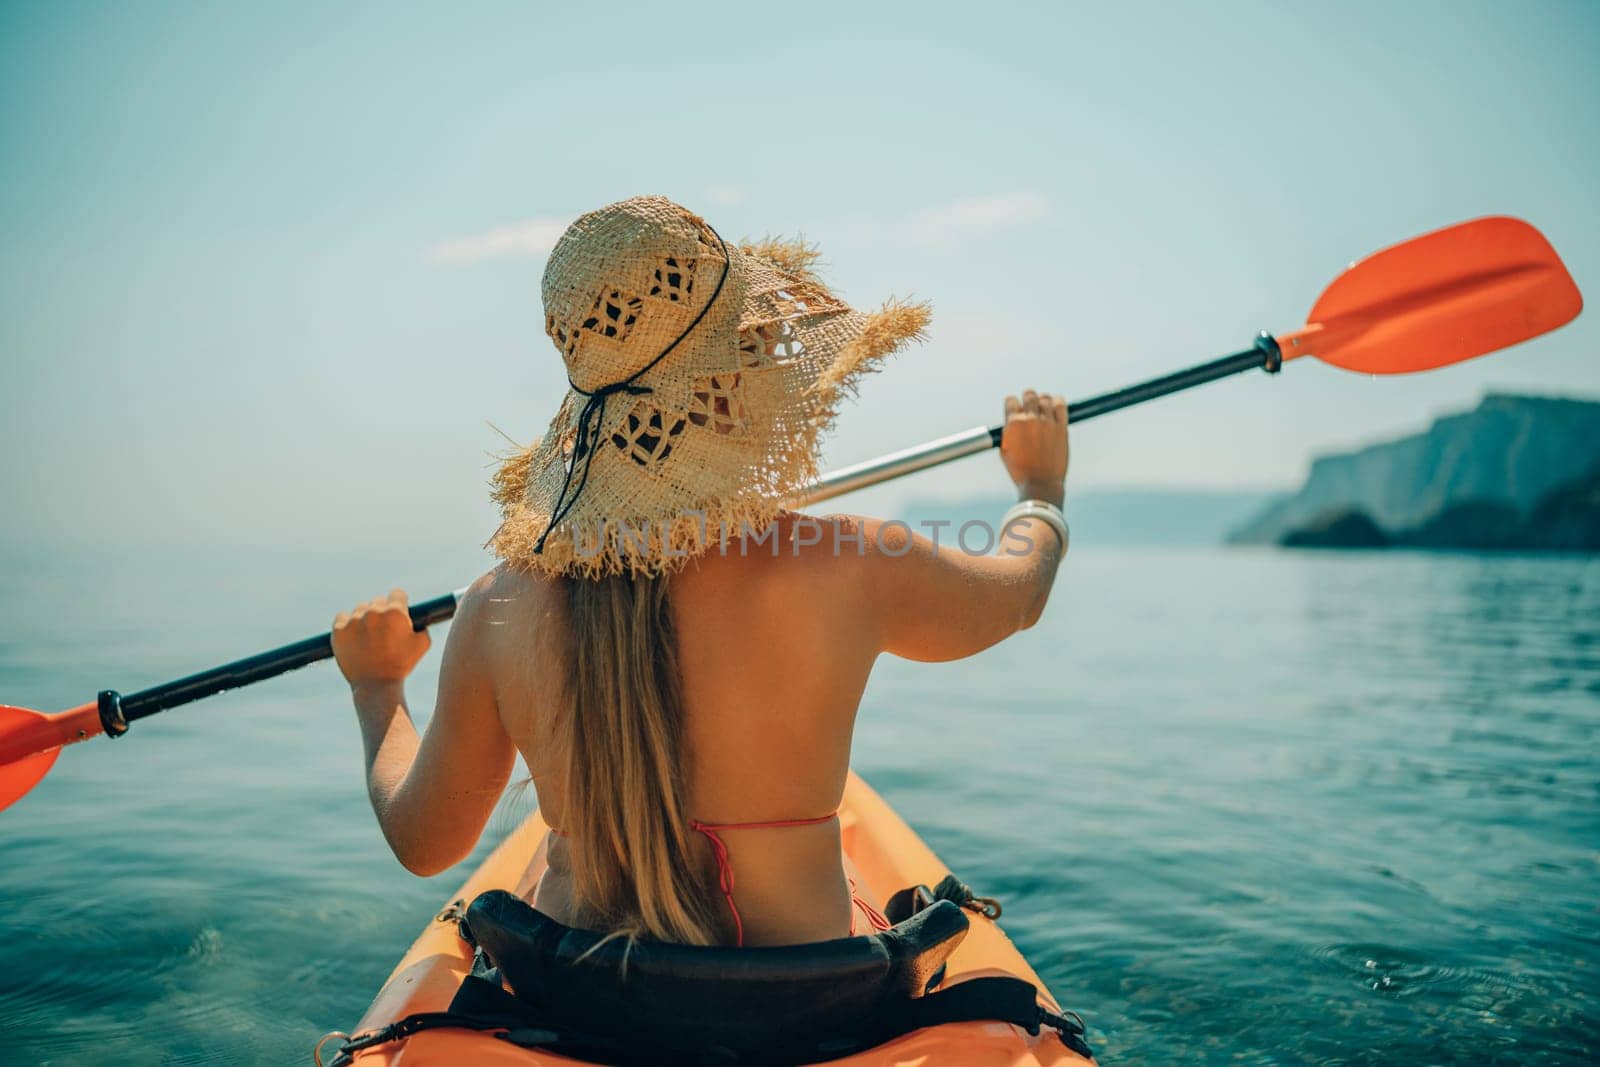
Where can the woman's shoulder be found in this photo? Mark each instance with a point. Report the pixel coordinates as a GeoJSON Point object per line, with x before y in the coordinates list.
{"type": "Point", "coordinates": [505, 598]}
{"type": "Point", "coordinates": [503, 579]}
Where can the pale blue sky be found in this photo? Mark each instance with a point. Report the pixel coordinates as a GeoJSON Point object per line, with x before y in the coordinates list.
{"type": "Point", "coordinates": [269, 271]}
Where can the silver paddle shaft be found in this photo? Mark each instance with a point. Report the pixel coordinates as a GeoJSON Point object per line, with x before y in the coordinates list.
{"type": "Point", "coordinates": [908, 461]}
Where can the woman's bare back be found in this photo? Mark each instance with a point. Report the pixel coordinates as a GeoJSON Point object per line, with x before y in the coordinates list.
{"type": "Point", "coordinates": [773, 667]}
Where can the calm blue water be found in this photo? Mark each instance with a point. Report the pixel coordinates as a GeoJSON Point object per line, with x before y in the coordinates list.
{"type": "Point", "coordinates": [1241, 806]}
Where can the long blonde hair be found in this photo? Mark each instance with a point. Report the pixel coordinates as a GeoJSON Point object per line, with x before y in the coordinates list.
{"type": "Point", "coordinates": [628, 836]}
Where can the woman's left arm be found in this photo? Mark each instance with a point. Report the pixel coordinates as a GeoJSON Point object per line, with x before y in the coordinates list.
{"type": "Point", "coordinates": [433, 794]}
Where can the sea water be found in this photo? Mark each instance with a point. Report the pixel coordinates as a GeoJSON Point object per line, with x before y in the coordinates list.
{"type": "Point", "coordinates": [1242, 806]}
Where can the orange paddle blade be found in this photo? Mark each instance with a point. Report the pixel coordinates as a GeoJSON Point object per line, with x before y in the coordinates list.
{"type": "Point", "coordinates": [1446, 296]}
{"type": "Point", "coordinates": [30, 741]}
{"type": "Point", "coordinates": [16, 779]}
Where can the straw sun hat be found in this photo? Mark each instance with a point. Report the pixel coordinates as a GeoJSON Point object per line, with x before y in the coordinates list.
{"type": "Point", "coordinates": [701, 374]}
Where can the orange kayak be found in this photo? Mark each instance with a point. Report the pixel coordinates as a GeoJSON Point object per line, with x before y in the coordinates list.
{"type": "Point", "coordinates": [888, 855]}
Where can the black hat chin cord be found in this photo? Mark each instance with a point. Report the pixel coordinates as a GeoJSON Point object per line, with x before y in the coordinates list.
{"type": "Point", "coordinates": [592, 416]}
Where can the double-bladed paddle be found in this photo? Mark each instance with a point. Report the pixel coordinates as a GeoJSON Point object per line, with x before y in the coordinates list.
{"type": "Point", "coordinates": [1438, 299]}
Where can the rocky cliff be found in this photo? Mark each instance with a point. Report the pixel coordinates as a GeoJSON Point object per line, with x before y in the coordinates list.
{"type": "Point", "coordinates": [1509, 450]}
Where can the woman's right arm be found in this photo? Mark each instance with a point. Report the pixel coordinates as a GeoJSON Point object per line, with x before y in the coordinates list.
{"type": "Point", "coordinates": [942, 603]}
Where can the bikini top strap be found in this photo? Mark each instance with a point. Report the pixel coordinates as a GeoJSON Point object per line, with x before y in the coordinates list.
{"type": "Point", "coordinates": [776, 824]}
{"type": "Point", "coordinates": [719, 849]}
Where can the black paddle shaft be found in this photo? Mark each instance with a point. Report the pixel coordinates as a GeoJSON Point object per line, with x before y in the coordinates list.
{"type": "Point", "coordinates": [1264, 356]}
{"type": "Point", "coordinates": [117, 711]}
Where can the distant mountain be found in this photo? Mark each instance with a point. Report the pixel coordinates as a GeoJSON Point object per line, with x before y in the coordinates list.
{"type": "Point", "coordinates": [1509, 450]}
{"type": "Point", "coordinates": [1112, 517]}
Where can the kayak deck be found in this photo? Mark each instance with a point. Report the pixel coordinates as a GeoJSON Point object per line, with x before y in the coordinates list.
{"type": "Point", "coordinates": [888, 855]}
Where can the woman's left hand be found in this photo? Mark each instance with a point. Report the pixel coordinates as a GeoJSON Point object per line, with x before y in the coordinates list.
{"type": "Point", "coordinates": [375, 644]}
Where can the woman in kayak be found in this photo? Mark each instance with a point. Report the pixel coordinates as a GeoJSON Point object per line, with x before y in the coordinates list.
{"type": "Point", "coordinates": [676, 656]}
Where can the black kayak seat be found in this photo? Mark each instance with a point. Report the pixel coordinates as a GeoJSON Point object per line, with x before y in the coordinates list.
{"type": "Point", "coordinates": [606, 1001]}
{"type": "Point", "coordinates": [743, 1000]}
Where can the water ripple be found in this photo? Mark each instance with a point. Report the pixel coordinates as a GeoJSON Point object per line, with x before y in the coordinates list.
{"type": "Point", "coordinates": [1398, 972]}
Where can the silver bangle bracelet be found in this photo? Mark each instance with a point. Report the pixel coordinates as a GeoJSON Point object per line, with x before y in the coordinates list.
{"type": "Point", "coordinates": [1043, 510]}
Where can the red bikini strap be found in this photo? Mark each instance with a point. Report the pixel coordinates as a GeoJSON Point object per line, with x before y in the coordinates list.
{"type": "Point", "coordinates": [777, 824]}
{"type": "Point", "coordinates": [719, 849]}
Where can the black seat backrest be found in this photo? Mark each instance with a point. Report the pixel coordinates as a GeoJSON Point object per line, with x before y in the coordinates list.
{"type": "Point", "coordinates": [689, 997]}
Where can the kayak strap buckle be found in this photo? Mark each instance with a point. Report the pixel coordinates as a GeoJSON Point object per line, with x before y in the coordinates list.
{"type": "Point", "coordinates": [988, 907]}
{"type": "Point", "coordinates": [316, 1050]}
{"type": "Point", "coordinates": [1069, 1026]}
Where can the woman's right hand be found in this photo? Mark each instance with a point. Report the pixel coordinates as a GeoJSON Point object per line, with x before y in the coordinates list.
{"type": "Point", "coordinates": [1033, 445]}
{"type": "Point", "coordinates": [375, 644]}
